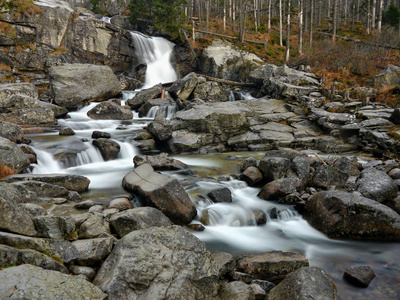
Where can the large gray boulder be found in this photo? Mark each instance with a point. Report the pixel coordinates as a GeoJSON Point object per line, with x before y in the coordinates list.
{"type": "Point", "coordinates": [159, 162]}
{"type": "Point", "coordinates": [376, 185]}
{"type": "Point", "coordinates": [31, 117]}
{"type": "Point", "coordinates": [30, 282]}
{"type": "Point", "coordinates": [236, 290]}
{"type": "Point", "coordinates": [54, 227]}
{"type": "Point", "coordinates": [326, 176]}
{"type": "Point", "coordinates": [159, 263]}
{"type": "Point", "coordinates": [141, 96]}
{"type": "Point", "coordinates": [129, 220]}
{"type": "Point", "coordinates": [110, 110]}
{"type": "Point", "coordinates": [390, 76]}
{"type": "Point", "coordinates": [161, 191]}
{"type": "Point", "coordinates": [262, 73]}
{"type": "Point", "coordinates": [109, 149]}
{"type": "Point", "coordinates": [12, 217]}
{"type": "Point", "coordinates": [183, 88]}
{"type": "Point", "coordinates": [11, 89]}
{"type": "Point", "coordinates": [271, 266]}
{"type": "Point", "coordinates": [10, 256]}
{"type": "Point", "coordinates": [305, 283]}
{"type": "Point", "coordinates": [222, 60]}
{"type": "Point", "coordinates": [11, 131]}
{"type": "Point", "coordinates": [12, 156]}
{"type": "Point", "coordinates": [345, 215]}
{"type": "Point", "coordinates": [93, 251]}
{"type": "Point", "coordinates": [75, 84]}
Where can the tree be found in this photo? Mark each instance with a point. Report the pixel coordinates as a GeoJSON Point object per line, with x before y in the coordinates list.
{"type": "Point", "coordinates": [334, 21]}
{"type": "Point", "coordinates": [380, 16]}
{"type": "Point", "coordinates": [300, 3]}
{"type": "Point", "coordinates": [287, 32]}
{"type": "Point", "coordinates": [165, 15]}
{"type": "Point", "coordinates": [391, 16]}
{"type": "Point", "coordinates": [280, 24]}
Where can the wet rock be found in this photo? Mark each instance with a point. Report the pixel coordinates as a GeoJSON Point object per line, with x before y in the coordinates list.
{"type": "Point", "coordinates": [274, 168]}
{"type": "Point", "coordinates": [30, 282]}
{"type": "Point", "coordinates": [88, 272]}
{"type": "Point", "coordinates": [12, 217]}
{"type": "Point", "coordinates": [247, 163]}
{"type": "Point", "coordinates": [93, 251]}
{"type": "Point", "coordinates": [161, 103]}
{"type": "Point", "coordinates": [160, 161]}
{"type": "Point", "coordinates": [138, 218]}
{"type": "Point", "coordinates": [74, 84]}
{"type": "Point", "coordinates": [140, 97]}
{"type": "Point", "coordinates": [85, 204]}
{"type": "Point", "coordinates": [376, 185]}
{"type": "Point", "coordinates": [260, 216]}
{"type": "Point", "coordinates": [120, 204]}
{"type": "Point", "coordinates": [252, 176]}
{"type": "Point", "coordinates": [236, 290]}
{"type": "Point", "coordinates": [129, 83]}
{"type": "Point", "coordinates": [76, 183]}
{"type": "Point", "coordinates": [305, 283]}
{"type": "Point", "coordinates": [93, 227]}
{"type": "Point", "coordinates": [350, 216]}
{"type": "Point", "coordinates": [346, 165]}
{"type": "Point", "coordinates": [110, 110]}
{"type": "Point", "coordinates": [66, 131]}
{"type": "Point", "coordinates": [160, 128]}
{"type": "Point", "coordinates": [196, 227]}
{"type": "Point", "coordinates": [54, 227]}
{"type": "Point", "coordinates": [224, 262]}
{"type": "Point", "coordinates": [271, 266]}
{"type": "Point", "coordinates": [360, 276]}
{"type": "Point", "coordinates": [393, 204]}
{"type": "Point", "coordinates": [12, 156]}
{"type": "Point", "coordinates": [301, 167]}
{"type": "Point", "coordinates": [278, 189]}
{"type": "Point", "coordinates": [10, 256]}
{"type": "Point", "coordinates": [221, 195]}
{"type": "Point", "coordinates": [59, 248]}
{"type": "Point", "coordinates": [11, 131]}
{"type": "Point", "coordinates": [100, 134]}
{"type": "Point", "coordinates": [326, 176]}
{"type": "Point", "coordinates": [162, 192]}
{"type": "Point", "coordinates": [109, 149]}
{"type": "Point", "coordinates": [166, 263]}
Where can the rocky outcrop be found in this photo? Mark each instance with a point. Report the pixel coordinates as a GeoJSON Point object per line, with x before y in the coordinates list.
{"type": "Point", "coordinates": [30, 282]}
{"type": "Point", "coordinates": [347, 215]}
{"type": "Point", "coordinates": [158, 263]}
{"type": "Point", "coordinates": [12, 156]}
{"type": "Point", "coordinates": [161, 191]}
{"type": "Point", "coordinates": [110, 110]}
{"type": "Point", "coordinates": [305, 283]}
{"type": "Point", "coordinates": [390, 76]}
{"type": "Point", "coordinates": [73, 85]}
{"type": "Point", "coordinates": [222, 60]}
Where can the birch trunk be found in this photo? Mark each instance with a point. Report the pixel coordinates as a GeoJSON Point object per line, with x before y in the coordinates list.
{"type": "Point", "coordinates": [280, 24]}
{"type": "Point", "coordinates": [300, 3]}
{"type": "Point", "coordinates": [287, 32]}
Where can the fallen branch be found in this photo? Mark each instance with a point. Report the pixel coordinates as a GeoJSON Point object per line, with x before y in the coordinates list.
{"type": "Point", "coordinates": [317, 156]}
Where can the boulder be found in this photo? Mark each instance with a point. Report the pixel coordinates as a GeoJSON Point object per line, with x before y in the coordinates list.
{"type": "Point", "coordinates": [66, 131]}
{"type": "Point", "coordinates": [376, 185]}
{"type": "Point", "coordinates": [12, 156]}
{"type": "Point", "coordinates": [30, 282]}
{"type": "Point", "coordinates": [262, 73]}
{"type": "Point", "coordinates": [252, 176]}
{"type": "Point", "coordinates": [271, 266]}
{"type": "Point", "coordinates": [223, 195]}
{"type": "Point", "coordinates": [54, 227]}
{"type": "Point", "coordinates": [62, 249]}
{"type": "Point", "coordinates": [159, 162]}
{"type": "Point", "coordinates": [88, 272]}
{"type": "Point", "coordinates": [183, 88]}
{"type": "Point", "coordinates": [278, 189]}
{"type": "Point", "coordinates": [305, 283]}
{"type": "Point", "coordinates": [161, 191]}
{"type": "Point", "coordinates": [113, 8]}
{"type": "Point", "coordinates": [75, 84]}
{"type": "Point", "coordinates": [225, 263]}
{"type": "Point", "coordinates": [120, 204]}
{"type": "Point", "coordinates": [222, 60]}
{"type": "Point", "coordinates": [93, 251]}
{"type": "Point", "coordinates": [236, 290]}
{"type": "Point", "coordinates": [141, 96]}
{"type": "Point", "coordinates": [31, 117]}
{"type": "Point", "coordinates": [109, 149]}
{"type": "Point", "coordinates": [326, 176]}
{"type": "Point", "coordinates": [12, 217]}
{"type": "Point", "coordinates": [274, 168]}
{"type": "Point", "coordinates": [390, 76]}
{"type": "Point", "coordinates": [11, 131]}
{"type": "Point", "coordinates": [158, 263]}
{"type": "Point", "coordinates": [210, 91]}
{"type": "Point", "coordinates": [360, 276]}
{"type": "Point", "coordinates": [71, 182]}
{"type": "Point", "coordinates": [10, 256]}
{"type": "Point", "coordinates": [93, 227]}
{"type": "Point", "coordinates": [109, 110]}
{"type": "Point", "coordinates": [137, 218]}
{"type": "Point", "coordinates": [346, 215]}
{"type": "Point", "coordinates": [43, 189]}
{"type": "Point", "coordinates": [160, 128]}
{"type": "Point", "coordinates": [100, 134]}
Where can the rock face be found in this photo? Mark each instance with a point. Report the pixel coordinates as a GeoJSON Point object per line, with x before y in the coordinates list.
{"type": "Point", "coordinates": [221, 60]}
{"type": "Point", "coordinates": [110, 110]}
{"type": "Point", "coordinates": [161, 191]}
{"type": "Point", "coordinates": [12, 217]}
{"type": "Point", "coordinates": [271, 266]}
{"type": "Point", "coordinates": [305, 283]}
{"type": "Point", "coordinates": [12, 156]}
{"type": "Point", "coordinates": [345, 215]}
{"type": "Point", "coordinates": [75, 84]}
{"type": "Point", "coordinates": [158, 263]}
{"type": "Point", "coordinates": [30, 282]}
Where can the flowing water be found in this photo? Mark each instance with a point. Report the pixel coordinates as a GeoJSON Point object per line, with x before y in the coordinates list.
{"type": "Point", "coordinates": [231, 226]}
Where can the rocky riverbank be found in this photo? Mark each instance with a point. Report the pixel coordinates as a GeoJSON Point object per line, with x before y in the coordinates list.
{"type": "Point", "coordinates": [141, 245]}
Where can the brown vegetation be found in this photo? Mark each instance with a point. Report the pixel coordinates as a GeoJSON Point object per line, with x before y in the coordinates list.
{"type": "Point", "coordinates": [5, 171]}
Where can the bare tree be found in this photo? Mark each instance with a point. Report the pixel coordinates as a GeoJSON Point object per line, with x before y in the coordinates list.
{"type": "Point", "coordinates": [280, 24]}
{"type": "Point", "coordinates": [269, 16]}
{"type": "Point", "coordinates": [224, 16]}
{"type": "Point", "coordinates": [311, 22]}
{"type": "Point", "coordinates": [255, 3]}
{"type": "Point", "coordinates": [373, 14]}
{"type": "Point", "coordinates": [380, 16]}
{"type": "Point", "coordinates": [287, 32]}
{"type": "Point", "coordinates": [334, 21]}
{"type": "Point", "coordinates": [368, 17]}
{"type": "Point", "coordinates": [300, 4]}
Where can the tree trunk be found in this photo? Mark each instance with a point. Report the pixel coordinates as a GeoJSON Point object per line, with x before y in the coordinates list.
{"type": "Point", "coordinates": [358, 10]}
{"type": "Point", "coordinates": [255, 14]}
{"type": "Point", "coordinates": [368, 17]}
{"type": "Point", "coordinates": [311, 22]}
{"type": "Point", "coordinates": [334, 21]}
{"type": "Point", "coordinates": [373, 14]}
{"type": "Point", "coordinates": [207, 13]}
{"type": "Point", "coordinates": [380, 17]}
{"type": "Point", "coordinates": [319, 12]}
{"type": "Point", "coordinates": [288, 32]}
{"type": "Point", "coordinates": [280, 24]}
{"type": "Point", "coordinates": [300, 3]}
{"type": "Point", "coordinates": [269, 16]}
{"type": "Point", "coordinates": [224, 16]}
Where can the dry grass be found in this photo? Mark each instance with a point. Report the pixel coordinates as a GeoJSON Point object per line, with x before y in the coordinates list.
{"type": "Point", "coordinates": [21, 7]}
{"type": "Point", "coordinates": [5, 171]}
{"type": "Point", "coordinates": [7, 29]}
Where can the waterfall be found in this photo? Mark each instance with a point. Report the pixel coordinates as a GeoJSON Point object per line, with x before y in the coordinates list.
{"type": "Point", "coordinates": [168, 111]}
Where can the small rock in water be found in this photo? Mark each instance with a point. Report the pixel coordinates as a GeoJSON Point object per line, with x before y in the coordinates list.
{"type": "Point", "coordinates": [85, 204]}
{"type": "Point", "coordinates": [260, 216]}
{"type": "Point", "coordinates": [120, 204]}
{"type": "Point", "coordinates": [66, 131]}
{"type": "Point", "coordinates": [221, 195]}
{"type": "Point", "coordinates": [359, 276]}
{"type": "Point", "coordinates": [196, 227]}
{"type": "Point", "coordinates": [100, 134]}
